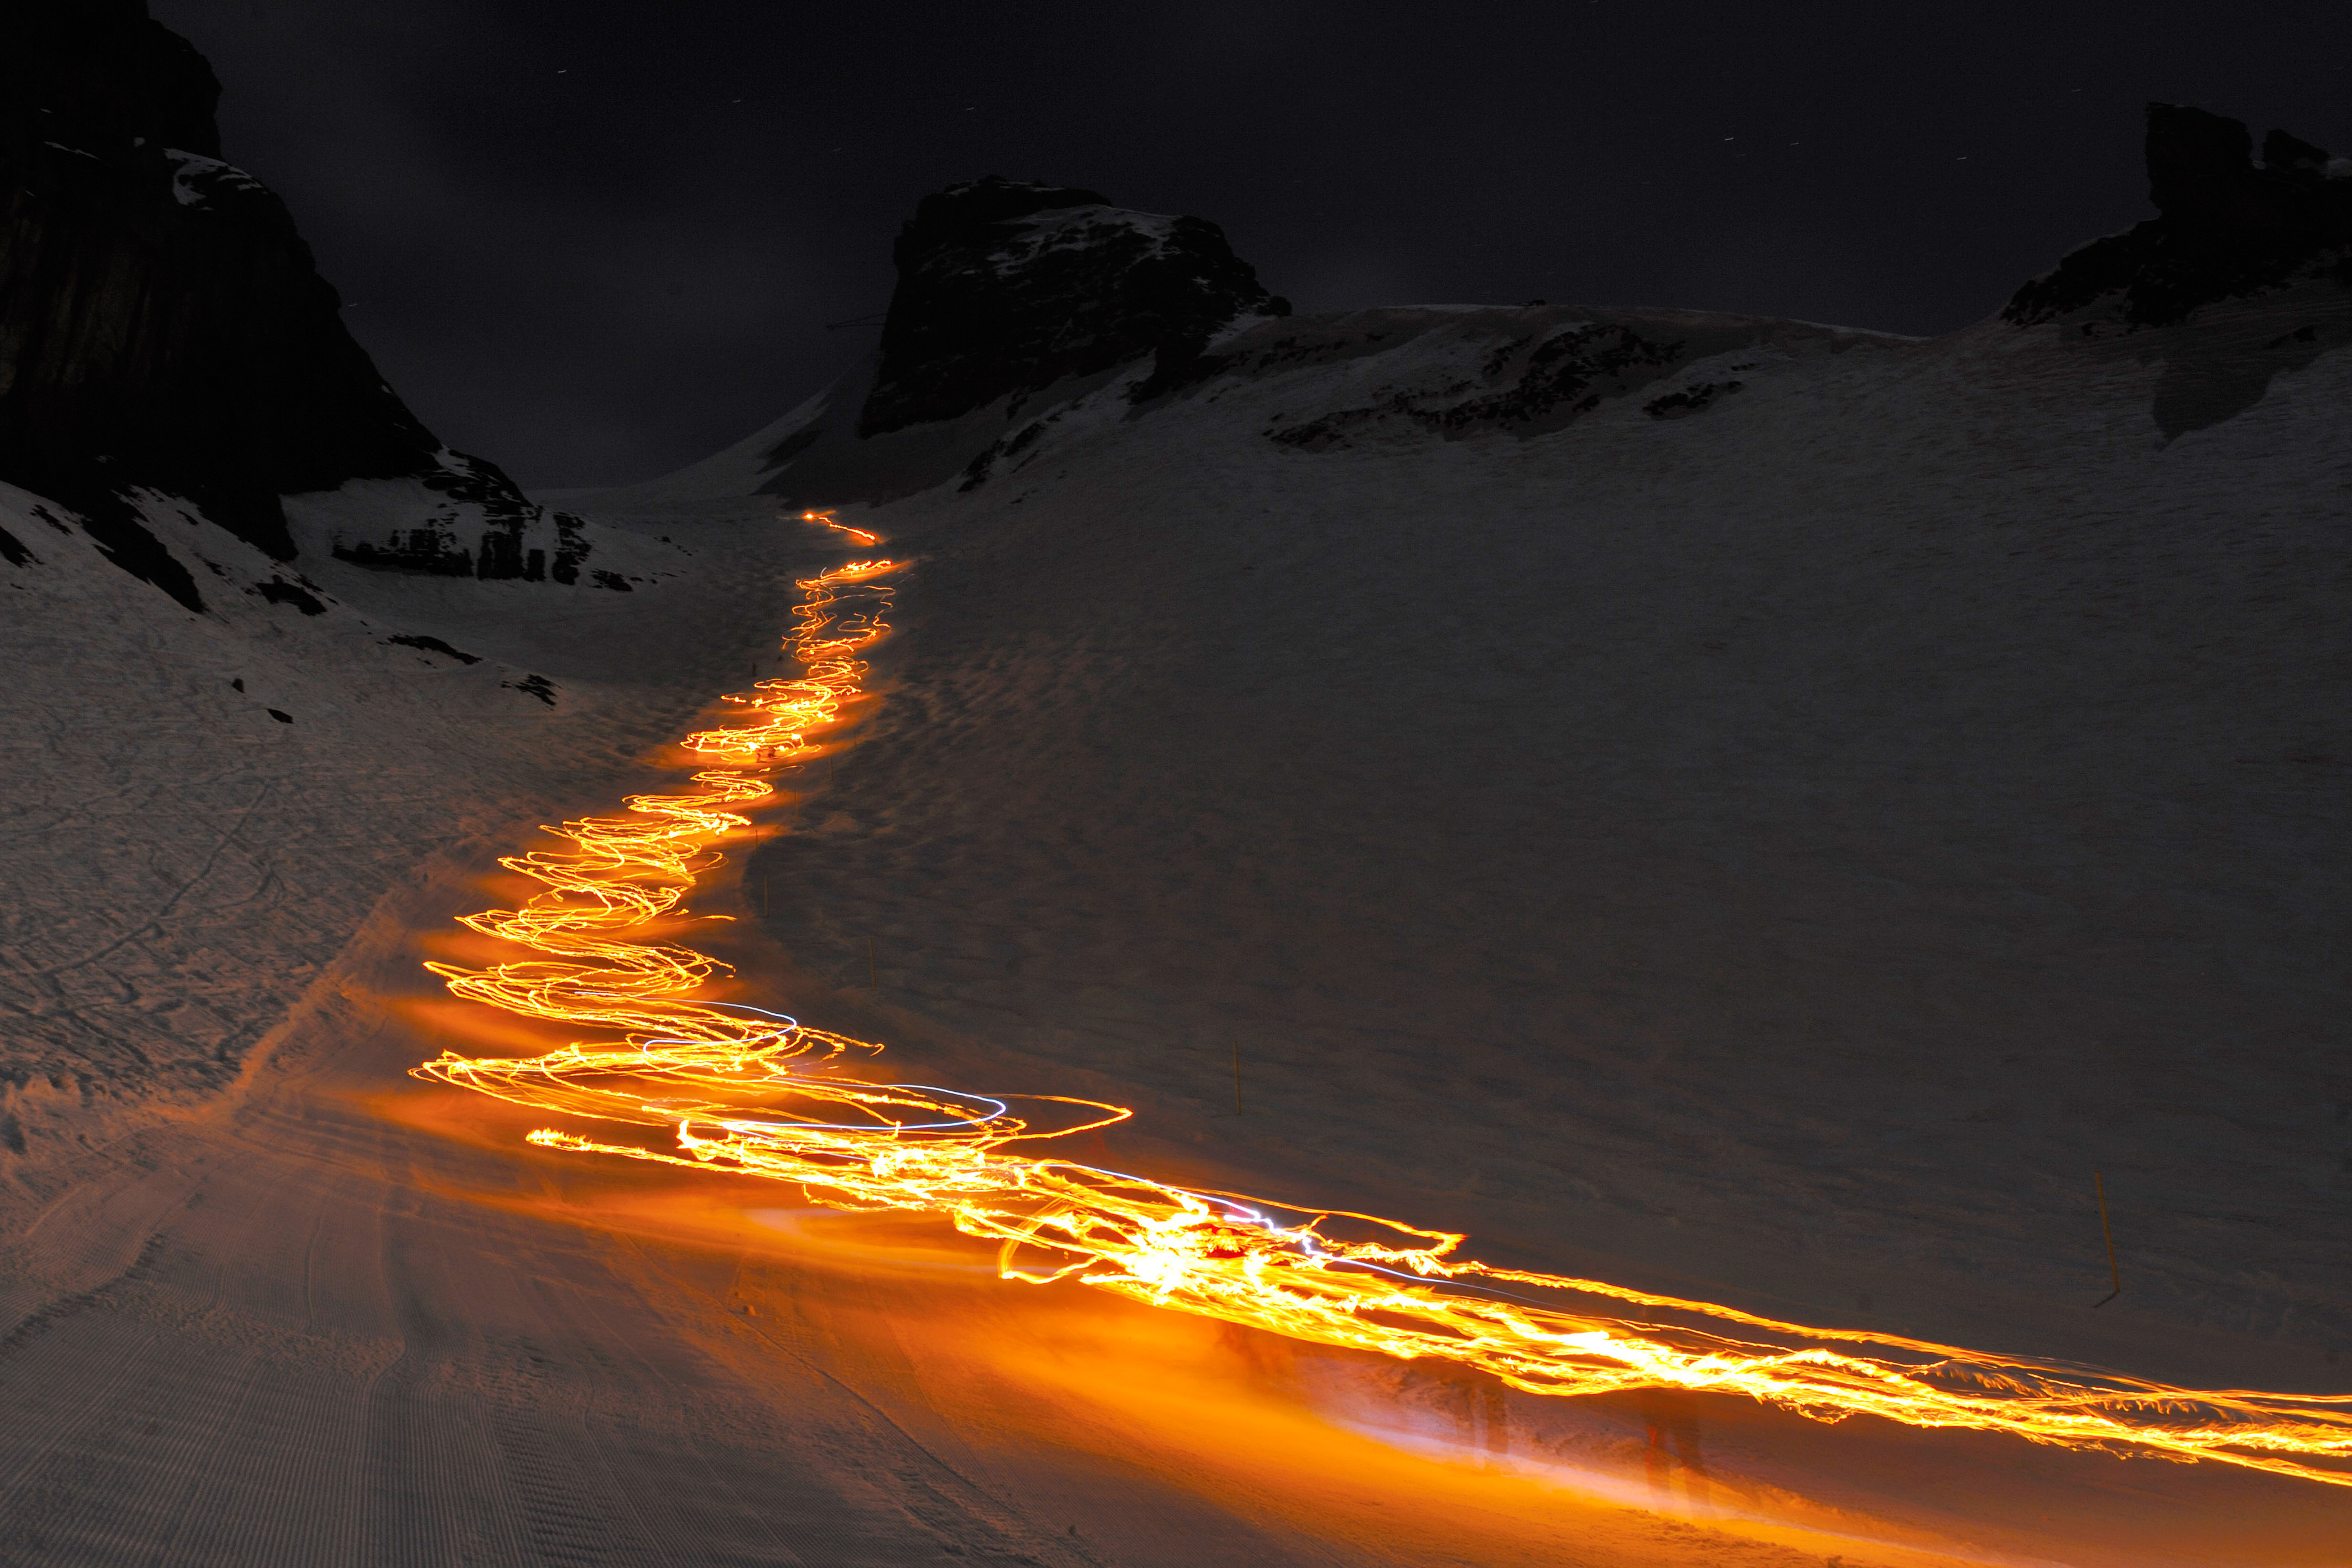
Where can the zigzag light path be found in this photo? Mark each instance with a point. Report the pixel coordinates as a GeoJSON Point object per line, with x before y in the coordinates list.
{"type": "Point", "coordinates": [736, 1089]}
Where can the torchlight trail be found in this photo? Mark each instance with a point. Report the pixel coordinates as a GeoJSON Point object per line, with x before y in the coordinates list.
{"type": "Point", "coordinates": [748, 1092]}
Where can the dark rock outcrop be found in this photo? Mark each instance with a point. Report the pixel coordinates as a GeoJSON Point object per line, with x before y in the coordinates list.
{"type": "Point", "coordinates": [434, 645]}
{"type": "Point", "coordinates": [279, 592]}
{"type": "Point", "coordinates": [2224, 227]}
{"type": "Point", "coordinates": [1522, 372]}
{"type": "Point", "coordinates": [162, 323]}
{"type": "Point", "coordinates": [517, 539]}
{"type": "Point", "coordinates": [1007, 286]}
{"type": "Point", "coordinates": [1532, 381]}
{"type": "Point", "coordinates": [1009, 290]}
{"type": "Point", "coordinates": [1696, 398]}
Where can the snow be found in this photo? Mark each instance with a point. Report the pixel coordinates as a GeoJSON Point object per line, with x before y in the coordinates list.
{"type": "Point", "coordinates": [1816, 833]}
{"type": "Point", "coordinates": [181, 866]}
{"type": "Point", "coordinates": [1776, 853]}
{"type": "Point", "coordinates": [1078, 228]}
{"type": "Point", "coordinates": [196, 179]}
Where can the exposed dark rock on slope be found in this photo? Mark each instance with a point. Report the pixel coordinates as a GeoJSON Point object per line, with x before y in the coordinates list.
{"type": "Point", "coordinates": [1006, 287]}
{"type": "Point", "coordinates": [1008, 291]}
{"type": "Point", "coordinates": [163, 325]}
{"type": "Point", "coordinates": [1520, 371]}
{"type": "Point", "coordinates": [2224, 227]}
{"type": "Point", "coordinates": [436, 549]}
{"type": "Point", "coordinates": [2244, 274]}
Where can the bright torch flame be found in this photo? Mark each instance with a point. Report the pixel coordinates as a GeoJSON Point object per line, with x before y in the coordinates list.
{"type": "Point", "coordinates": [752, 1093]}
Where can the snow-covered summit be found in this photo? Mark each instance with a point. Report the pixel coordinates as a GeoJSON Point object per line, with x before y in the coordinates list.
{"type": "Point", "coordinates": [1019, 303]}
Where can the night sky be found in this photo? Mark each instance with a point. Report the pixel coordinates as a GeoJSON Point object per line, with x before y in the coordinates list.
{"type": "Point", "coordinates": [596, 240]}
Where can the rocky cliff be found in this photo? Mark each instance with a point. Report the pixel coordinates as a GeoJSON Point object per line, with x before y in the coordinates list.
{"type": "Point", "coordinates": [164, 328]}
{"type": "Point", "coordinates": [2225, 228]}
{"type": "Point", "coordinates": [1012, 298]}
{"type": "Point", "coordinates": [1008, 286]}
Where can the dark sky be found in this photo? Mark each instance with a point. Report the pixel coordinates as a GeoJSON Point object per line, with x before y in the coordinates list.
{"type": "Point", "coordinates": [598, 239]}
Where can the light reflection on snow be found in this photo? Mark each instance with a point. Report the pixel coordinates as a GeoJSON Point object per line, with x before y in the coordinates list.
{"type": "Point", "coordinates": [732, 1087]}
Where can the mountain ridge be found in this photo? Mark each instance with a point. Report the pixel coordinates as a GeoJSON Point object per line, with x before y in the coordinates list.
{"type": "Point", "coordinates": [930, 406]}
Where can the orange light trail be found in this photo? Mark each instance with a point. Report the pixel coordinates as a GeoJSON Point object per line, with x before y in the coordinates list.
{"type": "Point", "coordinates": [826, 520]}
{"type": "Point", "coordinates": [744, 1091]}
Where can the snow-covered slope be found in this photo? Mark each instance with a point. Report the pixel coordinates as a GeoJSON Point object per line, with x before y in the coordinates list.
{"type": "Point", "coordinates": [1743, 807]}
{"type": "Point", "coordinates": [210, 786]}
{"type": "Point", "coordinates": [270, 643]}
{"type": "Point", "coordinates": [1755, 809]}
{"type": "Point", "coordinates": [1760, 804]}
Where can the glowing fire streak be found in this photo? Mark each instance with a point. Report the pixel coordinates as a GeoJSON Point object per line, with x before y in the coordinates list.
{"type": "Point", "coordinates": [857, 536]}
{"type": "Point", "coordinates": [745, 1091]}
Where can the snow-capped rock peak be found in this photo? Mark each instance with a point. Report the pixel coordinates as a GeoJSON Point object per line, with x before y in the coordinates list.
{"type": "Point", "coordinates": [1008, 286]}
